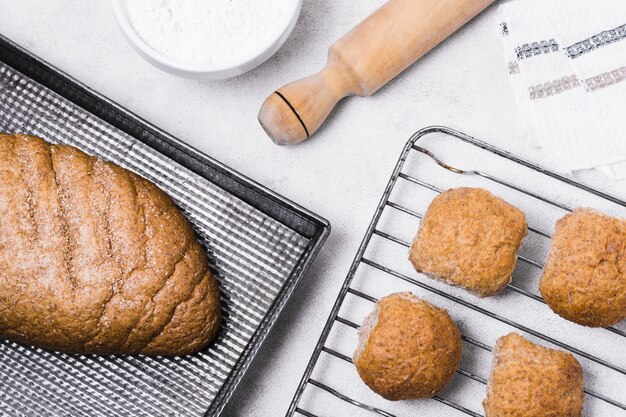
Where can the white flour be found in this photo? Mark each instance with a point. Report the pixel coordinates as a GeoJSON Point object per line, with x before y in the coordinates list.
{"type": "Point", "coordinates": [206, 32]}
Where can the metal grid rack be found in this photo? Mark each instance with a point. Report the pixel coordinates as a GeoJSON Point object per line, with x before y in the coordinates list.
{"type": "Point", "coordinates": [330, 382]}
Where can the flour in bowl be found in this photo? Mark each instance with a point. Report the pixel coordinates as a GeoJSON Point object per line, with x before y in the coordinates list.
{"type": "Point", "coordinates": [207, 32]}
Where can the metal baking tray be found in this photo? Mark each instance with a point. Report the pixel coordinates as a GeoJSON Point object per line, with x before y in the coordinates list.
{"type": "Point", "coordinates": [259, 244]}
{"type": "Point", "coordinates": [433, 160]}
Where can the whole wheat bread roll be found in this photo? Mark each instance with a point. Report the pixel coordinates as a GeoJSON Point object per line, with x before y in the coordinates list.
{"type": "Point", "coordinates": [584, 279]}
{"type": "Point", "coordinates": [95, 259]}
{"type": "Point", "coordinates": [470, 238]}
{"type": "Point", "coordinates": [529, 380]}
{"type": "Point", "coordinates": [408, 348]}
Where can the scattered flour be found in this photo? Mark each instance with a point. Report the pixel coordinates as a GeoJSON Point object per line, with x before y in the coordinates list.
{"type": "Point", "coordinates": [207, 32]}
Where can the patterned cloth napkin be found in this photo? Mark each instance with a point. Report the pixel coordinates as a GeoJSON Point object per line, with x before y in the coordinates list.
{"type": "Point", "coordinates": [567, 64]}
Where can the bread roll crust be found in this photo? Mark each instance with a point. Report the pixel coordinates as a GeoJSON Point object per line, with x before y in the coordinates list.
{"type": "Point", "coordinates": [584, 279]}
{"type": "Point", "coordinates": [469, 238]}
{"type": "Point", "coordinates": [95, 259]}
{"type": "Point", "coordinates": [408, 348]}
{"type": "Point", "coordinates": [528, 380]}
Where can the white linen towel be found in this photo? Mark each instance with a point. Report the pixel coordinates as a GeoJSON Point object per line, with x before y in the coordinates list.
{"type": "Point", "coordinates": [566, 60]}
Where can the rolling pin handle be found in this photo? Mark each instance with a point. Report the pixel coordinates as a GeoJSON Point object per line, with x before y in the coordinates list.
{"type": "Point", "coordinates": [295, 111]}
{"type": "Point", "coordinates": [362, 61]}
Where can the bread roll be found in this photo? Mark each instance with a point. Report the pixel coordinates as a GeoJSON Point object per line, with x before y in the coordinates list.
{"type": "Point", "coordinates": [528, 380]}
{"type": "Point", "coordinates": [469, 238]}
{"type": "Point", "coordinates": [408, 348]}
{"type": "Point", "coordinates": [95, 259]}
{"type": "Point", "coordinates": [584, 279]}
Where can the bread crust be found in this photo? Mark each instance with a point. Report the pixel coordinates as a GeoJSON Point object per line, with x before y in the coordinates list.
{"type": "Point", "coordinates": [408, 348]}
{"type": "Point", "coordinates": [469, 238]}
{"type": "Point", "coordinates": [96, 259]}
{"type": "Point", "coordinates": [584, 279]}
{"type": "Point", "coordinates": [528, 380]}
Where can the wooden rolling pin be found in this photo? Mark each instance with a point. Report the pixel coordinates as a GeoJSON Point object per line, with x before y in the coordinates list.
{"type": "Point", "coordinates": [365, 59]}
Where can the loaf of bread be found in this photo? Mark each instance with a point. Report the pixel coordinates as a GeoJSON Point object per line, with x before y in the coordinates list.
{"type": "Point", "coordinates": [96, 259]}
{"type": "Point", "coordinates": [469, 238]}
{"type": "Point", "coordinates": [584, 279]}
{"type": "Point", "coordinates": [408, 348]}
{"type": "Point", "coordinates": [528, 380]}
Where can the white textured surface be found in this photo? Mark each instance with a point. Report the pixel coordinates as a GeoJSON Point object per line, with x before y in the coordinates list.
{"type": "Point", "coordinates": [340, 173]}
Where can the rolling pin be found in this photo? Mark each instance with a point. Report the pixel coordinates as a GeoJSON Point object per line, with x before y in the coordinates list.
{"type": "Point", "coordinates": [366, 58]}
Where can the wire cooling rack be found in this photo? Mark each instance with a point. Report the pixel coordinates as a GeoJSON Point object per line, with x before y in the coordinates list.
{"type": "Point", "coordinates": [435, 159]}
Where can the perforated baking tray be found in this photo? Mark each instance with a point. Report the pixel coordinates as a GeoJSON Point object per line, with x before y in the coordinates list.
{"type": "Point", "coordinates": [435, 159]}
{"type": "Point", "coordinates": [259, 245]}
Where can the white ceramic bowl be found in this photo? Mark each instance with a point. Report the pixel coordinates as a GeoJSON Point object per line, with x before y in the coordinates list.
{"type": "Point", "coordinates": [213, 71]}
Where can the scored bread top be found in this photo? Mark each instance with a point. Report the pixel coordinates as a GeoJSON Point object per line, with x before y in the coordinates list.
{"type": "Point", "coordinates": [96, 259]}
{"type": "Point", "coordinates": [529, 380]}
{"type": "Point", "coordinates": [584, 279]}
{"type": "Point", "coordinates": [469, 238]}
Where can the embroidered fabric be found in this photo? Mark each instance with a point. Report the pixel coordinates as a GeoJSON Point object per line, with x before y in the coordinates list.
{"type": "Point", "coordinates": [566, 61]}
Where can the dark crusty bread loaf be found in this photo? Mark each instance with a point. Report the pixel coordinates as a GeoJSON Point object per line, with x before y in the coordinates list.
{"type": "Point", "coordinates": [95, 259]}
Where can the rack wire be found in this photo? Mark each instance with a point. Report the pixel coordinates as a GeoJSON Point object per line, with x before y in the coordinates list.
{"type": "Point", "coordinates": [601, 352]}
